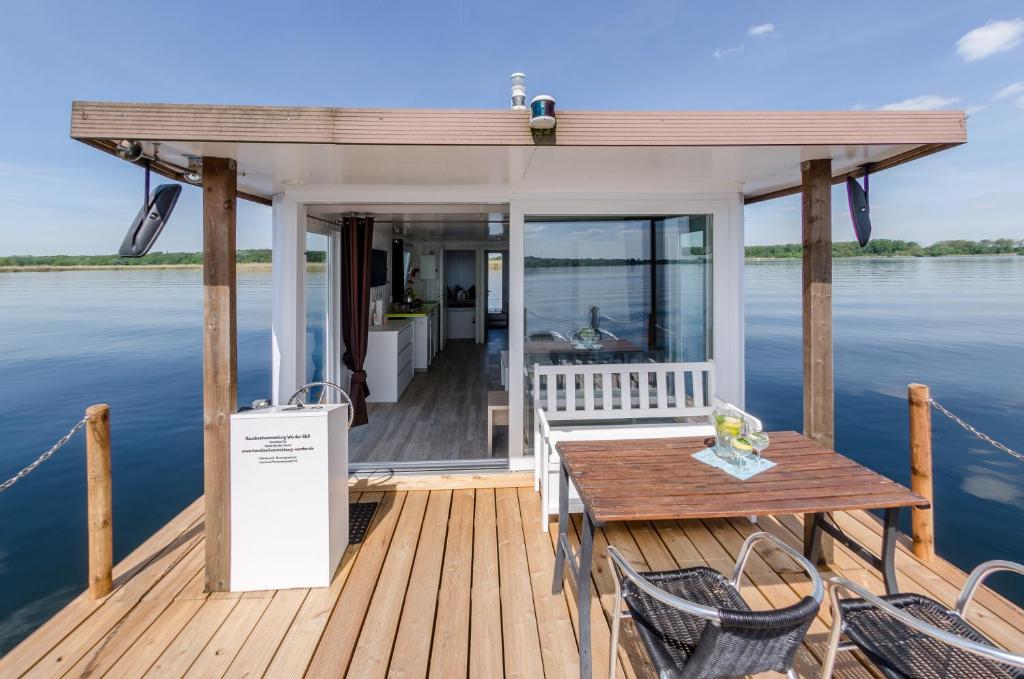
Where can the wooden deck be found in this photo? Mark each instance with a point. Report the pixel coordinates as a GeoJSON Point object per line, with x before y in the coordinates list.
{"type": "Point", "coordinates": [453, 580]}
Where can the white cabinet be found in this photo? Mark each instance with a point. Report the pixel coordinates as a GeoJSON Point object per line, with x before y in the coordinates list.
{"type": "Point", "coordinates": [389, 360]}
{"type": "Point", "coordinates": [289, 496]}
{"type": "Point", "coordinates": [427, 338]}
{"type": "Point", "coordinates": [461, 323]}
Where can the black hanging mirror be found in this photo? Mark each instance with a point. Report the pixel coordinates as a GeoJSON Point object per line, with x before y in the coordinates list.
{"type": "Point", "coordinates": [860, 208]}
{"type": "Point", "coordinates": [151, 218]}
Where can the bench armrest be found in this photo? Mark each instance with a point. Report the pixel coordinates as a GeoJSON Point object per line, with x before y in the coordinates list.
{"type": "Point", "coordinates": [752, 422]}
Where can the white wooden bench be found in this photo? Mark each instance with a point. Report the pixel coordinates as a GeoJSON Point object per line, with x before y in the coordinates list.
{"type": "Point", "coordinates": [592, 402]}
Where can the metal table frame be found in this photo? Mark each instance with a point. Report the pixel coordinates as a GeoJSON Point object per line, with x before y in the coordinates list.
{"type": "Point", "coordinates": [579, 563]}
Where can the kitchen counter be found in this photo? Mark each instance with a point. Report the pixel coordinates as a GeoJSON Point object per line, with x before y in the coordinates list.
{"type": "Point", "coordinates": [425, 310]}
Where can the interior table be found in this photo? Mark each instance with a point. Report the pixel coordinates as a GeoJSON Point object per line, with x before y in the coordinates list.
{"type": "Point", "coordinates": [653, 480]}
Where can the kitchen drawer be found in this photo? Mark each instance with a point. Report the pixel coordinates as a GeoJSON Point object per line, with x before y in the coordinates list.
{"type": "Point", "coordinates": [404, 355]}
{"type": "Point", "coordinates": [405, 336]}
{"type": "Point", "coordinates": [405, 375]}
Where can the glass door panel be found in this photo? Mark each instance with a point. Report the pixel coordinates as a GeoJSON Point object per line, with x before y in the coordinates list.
{"type": "Point", "coordinates": [317, 299]}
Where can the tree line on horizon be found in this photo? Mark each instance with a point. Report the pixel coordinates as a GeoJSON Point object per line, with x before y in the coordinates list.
{"type": "Point", "coordinates": [881, 247]}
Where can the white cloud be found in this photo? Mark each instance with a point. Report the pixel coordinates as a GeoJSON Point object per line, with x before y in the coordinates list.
{"type": "Point", "coordinates": [1010, 90]}
{"type": "Point", "coordinates": [761, 29]}
{"type": "Point", "coordinates": [926, 102]}
{"type": "Point", "coordinates": [992, 38]}
{"type": "Point", "coordinates": [722, 52]}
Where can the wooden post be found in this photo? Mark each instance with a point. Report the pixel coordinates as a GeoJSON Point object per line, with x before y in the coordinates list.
{"type": "Point", "coordinates": [922, 524]}
{"type": "Point", "coordinates": [819, 416]}
{"type": "Point", "coordinates": [220, 369]}
{"type": "Point", "coordinates": [101, 531]}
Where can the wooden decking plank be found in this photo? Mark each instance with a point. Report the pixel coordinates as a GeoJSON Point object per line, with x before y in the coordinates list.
{"type": "Point", "coordinates": [989, 598]}
{"type": "Point", "coordinates": [444, 482]}
{"type": "Point", "coordinates": [265, 638]}
{"type": "Point", "coordinates": [38, 645]}
{"type": "Point", "coordinates": [411, 655]}
{"type": "Point", "coordinates": [449, 657]}
{"type": "Point", "coordinates": [127, 631]}
{"type": "Point", "coordinates": [558, 645]}
{"type": "Point", "coordinates": [217, 656]}
{"type": "Point", "coordinates": [518, 617]}
{"type": "Point", "coordinates": [192, 639]}
{"type": "Point", "coordinates": [105, 625]}
{"type": "Point", "coordinates": [377, 637]}
{"type": "Point", "coordinates": [783, 583]}
{"type": "Point", "coordinates": [914, 576]}
{"type": "Point", "coordinates": [137, 660]}
{"type": "Point", "coordinates": [299, 643]}
{"type": "Point", "coordinates": [334, 651]}
{"type": "Point", "coordinates": [600, 632]}
{"type": "Point", "coordinates": [485, 642]}
{"type": "Point", "coordinates": [632, 658]}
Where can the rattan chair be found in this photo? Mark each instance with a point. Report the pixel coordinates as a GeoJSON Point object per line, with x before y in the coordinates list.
{"type": "Point", "coordinates": [695, 624]}
{"type": "Point", "coordinates": [910, 636]}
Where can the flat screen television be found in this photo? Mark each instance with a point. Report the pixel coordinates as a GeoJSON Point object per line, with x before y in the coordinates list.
{"type": "Point", "coordinates": [378, 268]}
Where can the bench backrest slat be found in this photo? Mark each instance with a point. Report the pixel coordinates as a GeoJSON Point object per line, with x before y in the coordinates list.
{"type": "Point", "coordinates": [624, 390]}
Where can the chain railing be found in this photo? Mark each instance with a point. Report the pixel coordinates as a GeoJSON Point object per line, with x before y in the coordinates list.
{"type": "Point", "coordinates": [981, 435]}
{"type": "Point", "coordinates": [98, 493]}
{"type": "Point", "coordinates": [44, 457]}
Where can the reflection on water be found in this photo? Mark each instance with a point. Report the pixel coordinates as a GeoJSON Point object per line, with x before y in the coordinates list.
{"type": "Point", "coordinates": [132, 338]}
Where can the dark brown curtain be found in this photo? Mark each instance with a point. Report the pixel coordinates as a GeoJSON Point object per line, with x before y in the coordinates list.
{"type": "Point", "coordinates": [356, 245]}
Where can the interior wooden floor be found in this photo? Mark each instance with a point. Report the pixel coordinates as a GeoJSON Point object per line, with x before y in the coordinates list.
{"type": "Point", "coordinates": [443, 413]}
{"type": "Point", "coordinates": [453, 580]}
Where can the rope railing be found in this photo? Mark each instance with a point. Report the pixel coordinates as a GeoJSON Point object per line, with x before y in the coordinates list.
{"type": "Point", "coordinates": [981, 435]}
{"type": "Point", "coordinates": [44, 457]}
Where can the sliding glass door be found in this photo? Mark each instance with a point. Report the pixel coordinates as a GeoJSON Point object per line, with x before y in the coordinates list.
{"type": "Point", "coordinates": [616, 290]}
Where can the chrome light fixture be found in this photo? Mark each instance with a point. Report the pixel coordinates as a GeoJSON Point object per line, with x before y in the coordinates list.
{"type": "Point", "coordinates": [129, 149]}
{"type": "Point", "coordinates": [518, 91]}
{"type": "Point", "coordinates": [194, 173]}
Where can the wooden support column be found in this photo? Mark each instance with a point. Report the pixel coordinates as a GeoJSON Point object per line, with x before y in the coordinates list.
{"type": "Point", "coordinates": [220, 369]}
{"type": "Point", "coordinates": [819, 416]}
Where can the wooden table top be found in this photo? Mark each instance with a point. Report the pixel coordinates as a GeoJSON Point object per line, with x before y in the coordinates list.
{"type": "Point", "coordinates": [648, 480]}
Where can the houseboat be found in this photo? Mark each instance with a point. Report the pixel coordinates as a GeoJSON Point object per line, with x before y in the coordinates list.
{"type": "Point", "coordinates": [467, 255]}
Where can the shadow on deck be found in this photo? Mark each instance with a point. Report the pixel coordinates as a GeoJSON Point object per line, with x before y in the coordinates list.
{"type": "Point", "coordinates": [453, 580]}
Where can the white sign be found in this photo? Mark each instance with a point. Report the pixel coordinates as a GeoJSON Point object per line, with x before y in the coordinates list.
{"type": "Point", "coordinates": [289, 496]}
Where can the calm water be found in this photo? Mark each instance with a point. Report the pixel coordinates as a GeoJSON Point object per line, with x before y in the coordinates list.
{"type": "Point", "coordinates": [132, 339]}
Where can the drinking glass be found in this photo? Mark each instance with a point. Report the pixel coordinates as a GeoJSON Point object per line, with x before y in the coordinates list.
{"type": "Point", "coordinates": [759, 441]}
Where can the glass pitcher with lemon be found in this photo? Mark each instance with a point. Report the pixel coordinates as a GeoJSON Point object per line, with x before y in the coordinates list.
{"type": "Point", "coordinates": [730, 428]}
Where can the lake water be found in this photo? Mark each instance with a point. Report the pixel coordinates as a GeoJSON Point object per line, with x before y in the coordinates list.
{"type": "Point", "coordinates": [132, 338]}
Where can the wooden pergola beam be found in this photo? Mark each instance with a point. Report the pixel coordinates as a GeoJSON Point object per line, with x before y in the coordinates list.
{"type": "Point", "coordinates": [220, 367]}
{"type": "Point", "coordinates": [816, 227]}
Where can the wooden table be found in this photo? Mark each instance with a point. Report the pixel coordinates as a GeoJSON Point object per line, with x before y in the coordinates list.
{"type": "Point", "coordinates": [655, 480]}
{"type": "Point", "coordinates": [560, 348]}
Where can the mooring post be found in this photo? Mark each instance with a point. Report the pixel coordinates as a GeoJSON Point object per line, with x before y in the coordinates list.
{"type": "Point", "coordinates": [101, 531]}
{"type": "Point", "coordinates": [922, 523]}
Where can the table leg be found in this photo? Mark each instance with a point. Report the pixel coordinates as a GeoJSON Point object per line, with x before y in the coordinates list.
{"type": "Point", "coordinates": [812, 546]}
{"type": "Point", "coordinates": [889, 535]}
{"type": "Point", "coordinates": [583, 595]}
{"type": "Point", "coordinates": [563, 528]}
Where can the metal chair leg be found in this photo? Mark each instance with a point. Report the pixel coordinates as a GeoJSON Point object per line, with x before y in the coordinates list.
{"type": "Point", "coordinates": [616, 621]}
{"type": "Point", "coordinates": [828, 663]}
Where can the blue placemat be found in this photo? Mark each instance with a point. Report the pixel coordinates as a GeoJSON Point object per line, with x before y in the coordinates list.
{"type": "Point", "coordinates": [751, 465]}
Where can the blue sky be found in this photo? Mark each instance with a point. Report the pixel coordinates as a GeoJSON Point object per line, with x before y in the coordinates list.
{"type": "Point", "coordinates": [57, 195]}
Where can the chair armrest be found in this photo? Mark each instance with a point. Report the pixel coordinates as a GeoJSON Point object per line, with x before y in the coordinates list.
{"type": "Point", "coordinates": [818, 589]}
{"type": "Point", "coordinates": [752, 422]}
{"type": "Point", "coordinates": [621, 568]}
{"type": "Point", "coordinates": [836, 584]}
{"type": "Point", "coordinates": [978, 576]}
